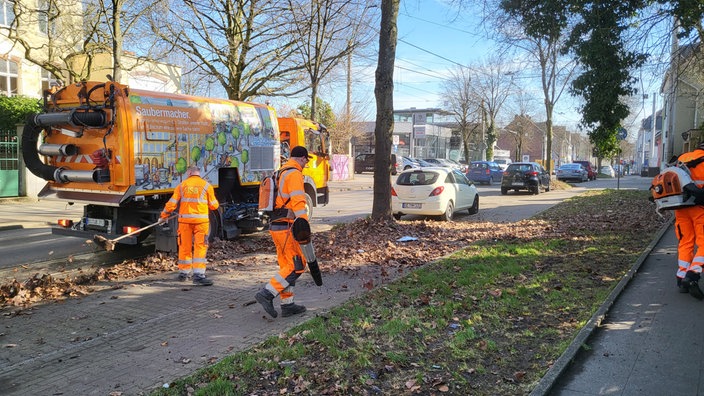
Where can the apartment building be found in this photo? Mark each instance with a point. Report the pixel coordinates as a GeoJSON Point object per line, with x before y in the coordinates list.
{"type": "Point", "coordinates": [36, 37]}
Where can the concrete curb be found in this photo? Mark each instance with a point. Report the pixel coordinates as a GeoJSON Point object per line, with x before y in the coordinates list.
{"type": "Point", "coordinates": [561, 364]}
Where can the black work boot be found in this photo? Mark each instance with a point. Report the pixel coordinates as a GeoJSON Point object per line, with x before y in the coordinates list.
{"type": "Point", "coordinates": [265, 298]}
{"type": "Point", "coordinates": [201, 280]}
{"type": "Point", "coordinates": [682, 286]}
{"type": "Point", "coordinates": [291, 309]}
{"type": "Point", "coordinates": [691, 279]}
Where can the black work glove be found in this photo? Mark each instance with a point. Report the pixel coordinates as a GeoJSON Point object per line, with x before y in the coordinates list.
{"type": "Point", "coordinates": [691, 190]}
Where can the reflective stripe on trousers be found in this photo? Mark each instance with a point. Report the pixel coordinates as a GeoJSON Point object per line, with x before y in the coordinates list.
{"type": "Point", "coordinates": [290, 269]}
{"type": "Point", "coordinates": [193, 246]}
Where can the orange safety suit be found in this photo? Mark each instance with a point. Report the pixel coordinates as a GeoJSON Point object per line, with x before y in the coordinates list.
{"type": "Point", "coordinates": [689, 223]}
{"type": "Point", "coordinates": [194, 197]}
{"type": "Point", "coordinates": [292, 263]}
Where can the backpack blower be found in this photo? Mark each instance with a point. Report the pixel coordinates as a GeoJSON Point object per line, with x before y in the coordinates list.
{"type": "Point", "coordinates": [674, 189]}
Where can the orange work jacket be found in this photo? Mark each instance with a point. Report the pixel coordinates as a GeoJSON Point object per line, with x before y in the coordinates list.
{"type": "Point", "coordinates": [194, 197]}
{"type": "Point", "coordinates": [292, 193]}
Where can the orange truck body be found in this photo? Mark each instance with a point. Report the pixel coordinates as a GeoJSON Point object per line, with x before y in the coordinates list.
{"type": "Point", "coordinates": [121, 152]}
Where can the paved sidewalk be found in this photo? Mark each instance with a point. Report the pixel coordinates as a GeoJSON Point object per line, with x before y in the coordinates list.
{"type": "Point", "coordinates": [146, 333]}
{"type": "Point", "coordinates": [648, 343]}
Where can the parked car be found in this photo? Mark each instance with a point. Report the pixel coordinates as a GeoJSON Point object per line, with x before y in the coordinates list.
{"type": "Point", "coordinates": [620, 170]}
{"type": "Point", "coordinates": [591, 173]}
{"type": "Point", "coordinates": [484, 172]}
{"type": "Point", "coordinates": [607, 170]}
{"type": "Point", "coordinates": [433, 191]}
{"type": "Point", "coordinates": [442, 162]}
{"type": "Point", "coordinates": [529, 176]}
{"type": "Point", "coordinates": [423, 163]}
{"type": "Point", "coordinates": [407, 163]}
{"type": "Point", "coordinates": [573, 171]}
{"type": "Point", "coordinates": [365, 163]}
{"type": "Point", "coordinates": [503, 162]}
{"type": "Point", "coordinates": [458, 165]}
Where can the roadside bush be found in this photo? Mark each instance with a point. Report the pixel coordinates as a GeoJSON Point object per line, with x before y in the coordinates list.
{"type": "Point", "coordinates": [15, 109]}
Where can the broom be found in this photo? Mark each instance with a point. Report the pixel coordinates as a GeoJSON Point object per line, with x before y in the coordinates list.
{"type": "Point", "coordinates": [109, 244]}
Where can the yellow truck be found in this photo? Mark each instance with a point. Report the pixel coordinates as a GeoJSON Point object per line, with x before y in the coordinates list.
{"type": "Point", "coordinates": [121, 152]}
{"type": "Point", "coordinates": [315, 138]}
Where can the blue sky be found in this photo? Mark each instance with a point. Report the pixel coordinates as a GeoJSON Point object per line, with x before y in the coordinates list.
{"type": "Point", "coordinates": [433, 39]}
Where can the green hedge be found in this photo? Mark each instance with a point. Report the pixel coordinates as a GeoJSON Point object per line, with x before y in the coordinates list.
{"type": "Point", "coordinates": [15, 109]}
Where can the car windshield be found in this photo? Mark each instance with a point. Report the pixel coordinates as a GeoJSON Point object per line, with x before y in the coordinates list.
{"type": "Point", "coordinates": [519, 168]}
{"type": "Point", "coordinates": [417, 178]}
{"type": "Point", "coordinates": [479, 165]}
{"type": "Point", "coordinates": [570, 166]}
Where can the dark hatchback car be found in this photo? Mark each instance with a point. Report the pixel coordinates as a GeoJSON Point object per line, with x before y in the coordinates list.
{"type": "Point", "coordinates": [529, 176]}
{"type": "Point", "coordinates": [365, 163]}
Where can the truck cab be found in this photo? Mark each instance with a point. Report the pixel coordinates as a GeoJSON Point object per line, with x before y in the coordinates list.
{"type": "Point", "coordinates": [316, 139]}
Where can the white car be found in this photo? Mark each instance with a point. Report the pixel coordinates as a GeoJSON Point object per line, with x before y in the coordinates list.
{"type": "Point", "coordinates": [502, 162]}
{"type": "Point", "coordinates": [607, 170]}
{"type": "Point", "coordinates": [433, 191]}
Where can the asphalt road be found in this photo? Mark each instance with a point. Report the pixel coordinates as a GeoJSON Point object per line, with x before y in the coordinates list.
{"type": "Point", "coordinates": [348, 205]}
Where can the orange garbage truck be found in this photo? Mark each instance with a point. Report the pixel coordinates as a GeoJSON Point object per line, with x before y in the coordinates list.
{"type": "Point", "coordinates": [121, 151]}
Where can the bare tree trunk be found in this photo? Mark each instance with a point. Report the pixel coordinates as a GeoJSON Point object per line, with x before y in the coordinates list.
{"type": "Point", "coordinates": [384, 93]}
{"type": "Point", "coordinates": [116, 40]}
{"type": "Point", "coordinates": [313, 96]}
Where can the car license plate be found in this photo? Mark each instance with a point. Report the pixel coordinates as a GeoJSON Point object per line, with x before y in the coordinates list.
{"type": "Point", "coordinates": [517, 184]}
{"type": "Point", "coordinates": [411, 205]}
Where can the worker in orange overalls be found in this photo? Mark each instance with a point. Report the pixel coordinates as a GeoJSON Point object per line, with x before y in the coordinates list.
{"type": "Point", "coordinates": [194, 198]}
{"type": "Point", "coordinates": [689, 223]}
{"type": "Point", "coordinates": [290, 203]}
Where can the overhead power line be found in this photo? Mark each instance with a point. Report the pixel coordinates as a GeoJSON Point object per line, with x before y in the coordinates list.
{"type": "Point", "coordinates": [430, 52]}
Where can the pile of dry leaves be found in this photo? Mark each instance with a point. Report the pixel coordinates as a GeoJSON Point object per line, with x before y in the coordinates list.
{"type": "Point", "coordinates": [392, 246]}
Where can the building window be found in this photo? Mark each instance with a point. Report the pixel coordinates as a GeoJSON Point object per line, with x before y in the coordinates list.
{"type": "Point", "coordinates": [8, 77]}
{"type": "Point", "coordinates": [46, 16]}
{"type": "Point", "coordinates": [48, 81]}
{"type": "Point", "coordinates": [7, 14]}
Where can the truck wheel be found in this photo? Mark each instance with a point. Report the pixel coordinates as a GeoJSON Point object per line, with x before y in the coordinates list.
{"type": "Point", "coordinates": [309, 207]}
{"type": "Point", "coordinates": [504, 191]}
{"type": "Point", "coordinates": [215, 227]}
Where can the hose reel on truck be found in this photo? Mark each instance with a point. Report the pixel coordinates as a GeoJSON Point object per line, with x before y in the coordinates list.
{"type": "Point", "coordinates": [84, 116]}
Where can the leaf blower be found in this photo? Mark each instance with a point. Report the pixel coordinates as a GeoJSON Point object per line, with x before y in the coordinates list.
{"type": "Point", "coordinates": [302, 234]}
{"type": "Point", "coordinates": [674, 189]}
